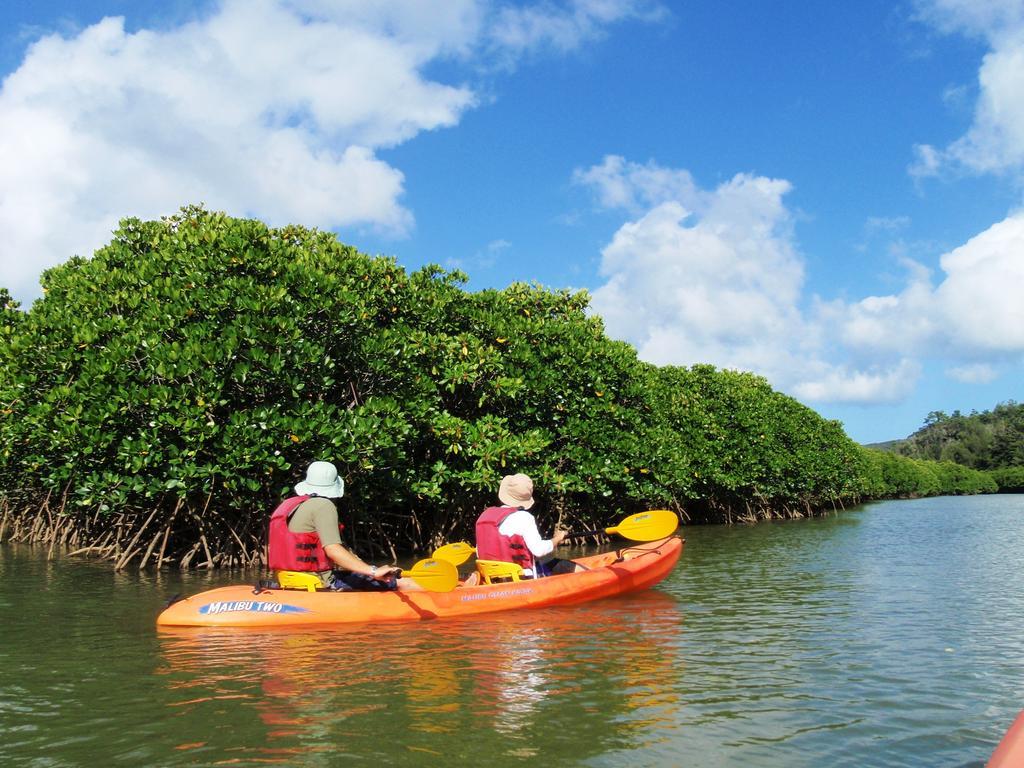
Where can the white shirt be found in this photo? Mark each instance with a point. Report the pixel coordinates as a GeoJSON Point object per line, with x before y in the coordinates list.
{"type": "Point", "coordinates": [522, 523]}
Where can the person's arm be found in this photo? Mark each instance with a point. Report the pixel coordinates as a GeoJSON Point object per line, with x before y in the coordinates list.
{"type": "Point", "coordinates": [348, 561]}
{"type": "Point", "coordinates": [524, 524]}
{"type": "Point", "coordinates": [325, 520]}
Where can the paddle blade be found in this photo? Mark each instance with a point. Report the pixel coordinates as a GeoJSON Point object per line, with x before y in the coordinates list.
{"type": "Point", "coordinates": [434, 575]}
{"type": "Point", "coordinates": [651, 525]}
{"type": "Point", "coordinates": [455, 553]}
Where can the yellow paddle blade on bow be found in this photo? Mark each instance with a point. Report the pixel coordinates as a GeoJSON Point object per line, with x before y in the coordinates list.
{"type": "Point", "coordinates": [651, 525]}
{"type": "Point", "coordinates": [455, 553]}
{"type": "Point", "coordinates": [433, 575]}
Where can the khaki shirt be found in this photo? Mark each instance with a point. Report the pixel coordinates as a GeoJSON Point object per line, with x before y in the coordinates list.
{"type": "Point", "coordinates": [317, 515]}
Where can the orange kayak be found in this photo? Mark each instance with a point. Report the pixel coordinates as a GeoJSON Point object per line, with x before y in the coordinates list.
{"type": "Point", "coordinates": [1010, 752]}
{"type": "Point", "coordinates": [628, 569]}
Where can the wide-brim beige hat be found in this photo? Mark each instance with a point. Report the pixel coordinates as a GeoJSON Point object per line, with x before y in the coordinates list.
{"type": "Point", "coordinates": [321, 480]}
{"type": "Point", "coordinates": [516, 491]}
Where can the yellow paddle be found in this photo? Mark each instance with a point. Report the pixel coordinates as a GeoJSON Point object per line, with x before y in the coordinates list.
{"type": "Point", "coordinates": [651, 525]}
{"type": "Point", "coordinates": [455, 553]}
{"type": "Point", "coordinates": [433, 574]}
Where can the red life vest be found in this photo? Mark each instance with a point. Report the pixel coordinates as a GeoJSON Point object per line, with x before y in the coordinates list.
{"type": "Point", "coordinates": [491, 545]}
{"type": "Point", "coordinates": [288, 551]}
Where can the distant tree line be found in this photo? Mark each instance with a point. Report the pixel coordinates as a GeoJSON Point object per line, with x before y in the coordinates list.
{"type": "Point", "coordinates": [989, 440]}
{"type": "Point", "coordinates": [165, 394]}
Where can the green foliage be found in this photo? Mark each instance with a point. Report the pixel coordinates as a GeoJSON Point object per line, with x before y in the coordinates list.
{"type": "Point", "coordinates": [1009, 479]}
{"type": "Point", "coordinates": [202, 361]}
{"type": "Point", "coordinates": [891, 475]}
{"type": "Point", "coordinates": [731, 442]}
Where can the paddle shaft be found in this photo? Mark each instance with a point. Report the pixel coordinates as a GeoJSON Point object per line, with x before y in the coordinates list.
{"type": "Point", "coordinates": [583, 534]}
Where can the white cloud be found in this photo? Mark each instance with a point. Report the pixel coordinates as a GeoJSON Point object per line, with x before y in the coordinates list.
{"type": "Point", "coordinates": [889, 324]}
{"type": "Point", "coordinates": [721, 286]}
{"type": "Point", "coordinates": [927, 161]}
{"type": "Point", "coordinates": [975, 309]}
{"type": "Point", "coordinates": [452, 26]}
{"type": "Point", "coordinates": [984, 18]}
{"type": "Point", "coordinates": [271, 108]}
{"type": "Point", "coordinates": [876, 385]}
{"type": "Point", "coordinates": [724, 285]}
{"type": "Point", "coordinates": [886, 224]}
{"type": "Point", "coordinates": [981, 300]}
{"type": "Point", "coordinates": [995, 140]}
{"type": "Point", "coordinates": [109, 124]}
{"type": "Point", "coordinates": [980, 373]}
{"type": "Point", "coordinates": [634, 187]}
{"type": "Point", "coordinates": [521, 29]}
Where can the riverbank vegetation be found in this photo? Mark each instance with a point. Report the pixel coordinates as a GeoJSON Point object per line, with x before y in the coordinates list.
{"type": "Point", "coordinates": [165, 394]}
{"type": "Point", "coordinates": [989, 440]}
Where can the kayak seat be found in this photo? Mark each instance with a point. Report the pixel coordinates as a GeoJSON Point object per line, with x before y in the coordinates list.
{"type": "Point", "coordinates": [498, 570]}
{"type": "Point", "coordinates": [298, 580]}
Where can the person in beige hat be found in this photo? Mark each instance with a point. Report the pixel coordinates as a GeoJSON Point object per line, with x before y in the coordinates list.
{"type": "Point", "coordinates": [509, 532]}
{"type": "Point", "coordinates": [305, 536]}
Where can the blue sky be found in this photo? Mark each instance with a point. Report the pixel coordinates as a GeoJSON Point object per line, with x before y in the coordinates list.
{"type": "Point", "coordinates": [828, 194]}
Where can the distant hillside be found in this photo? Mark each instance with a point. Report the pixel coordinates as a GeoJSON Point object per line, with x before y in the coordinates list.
{"type": "Point", "coordinates": [888, 445]}
{"type": "Point", "coordinates": [987, 440]}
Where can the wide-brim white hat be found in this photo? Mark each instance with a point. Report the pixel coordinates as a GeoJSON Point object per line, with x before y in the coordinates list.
{"type": "Point", "coordinates": [321, 480]}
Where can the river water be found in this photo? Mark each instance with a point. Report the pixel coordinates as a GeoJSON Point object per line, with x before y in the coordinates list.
{"type": "Point", "coordinates": [888, 635]}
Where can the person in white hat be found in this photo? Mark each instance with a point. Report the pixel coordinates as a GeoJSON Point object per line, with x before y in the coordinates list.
{"type": "Point", "coordinates": [305, 536]}
{"type": "Point", "coordinates": [509, 532]}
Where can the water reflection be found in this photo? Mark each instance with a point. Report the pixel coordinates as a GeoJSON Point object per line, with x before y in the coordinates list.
{"type": "Point", "coordinates": [888, 636]}
{"type": "Point", "coordinates": [522, 685]}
